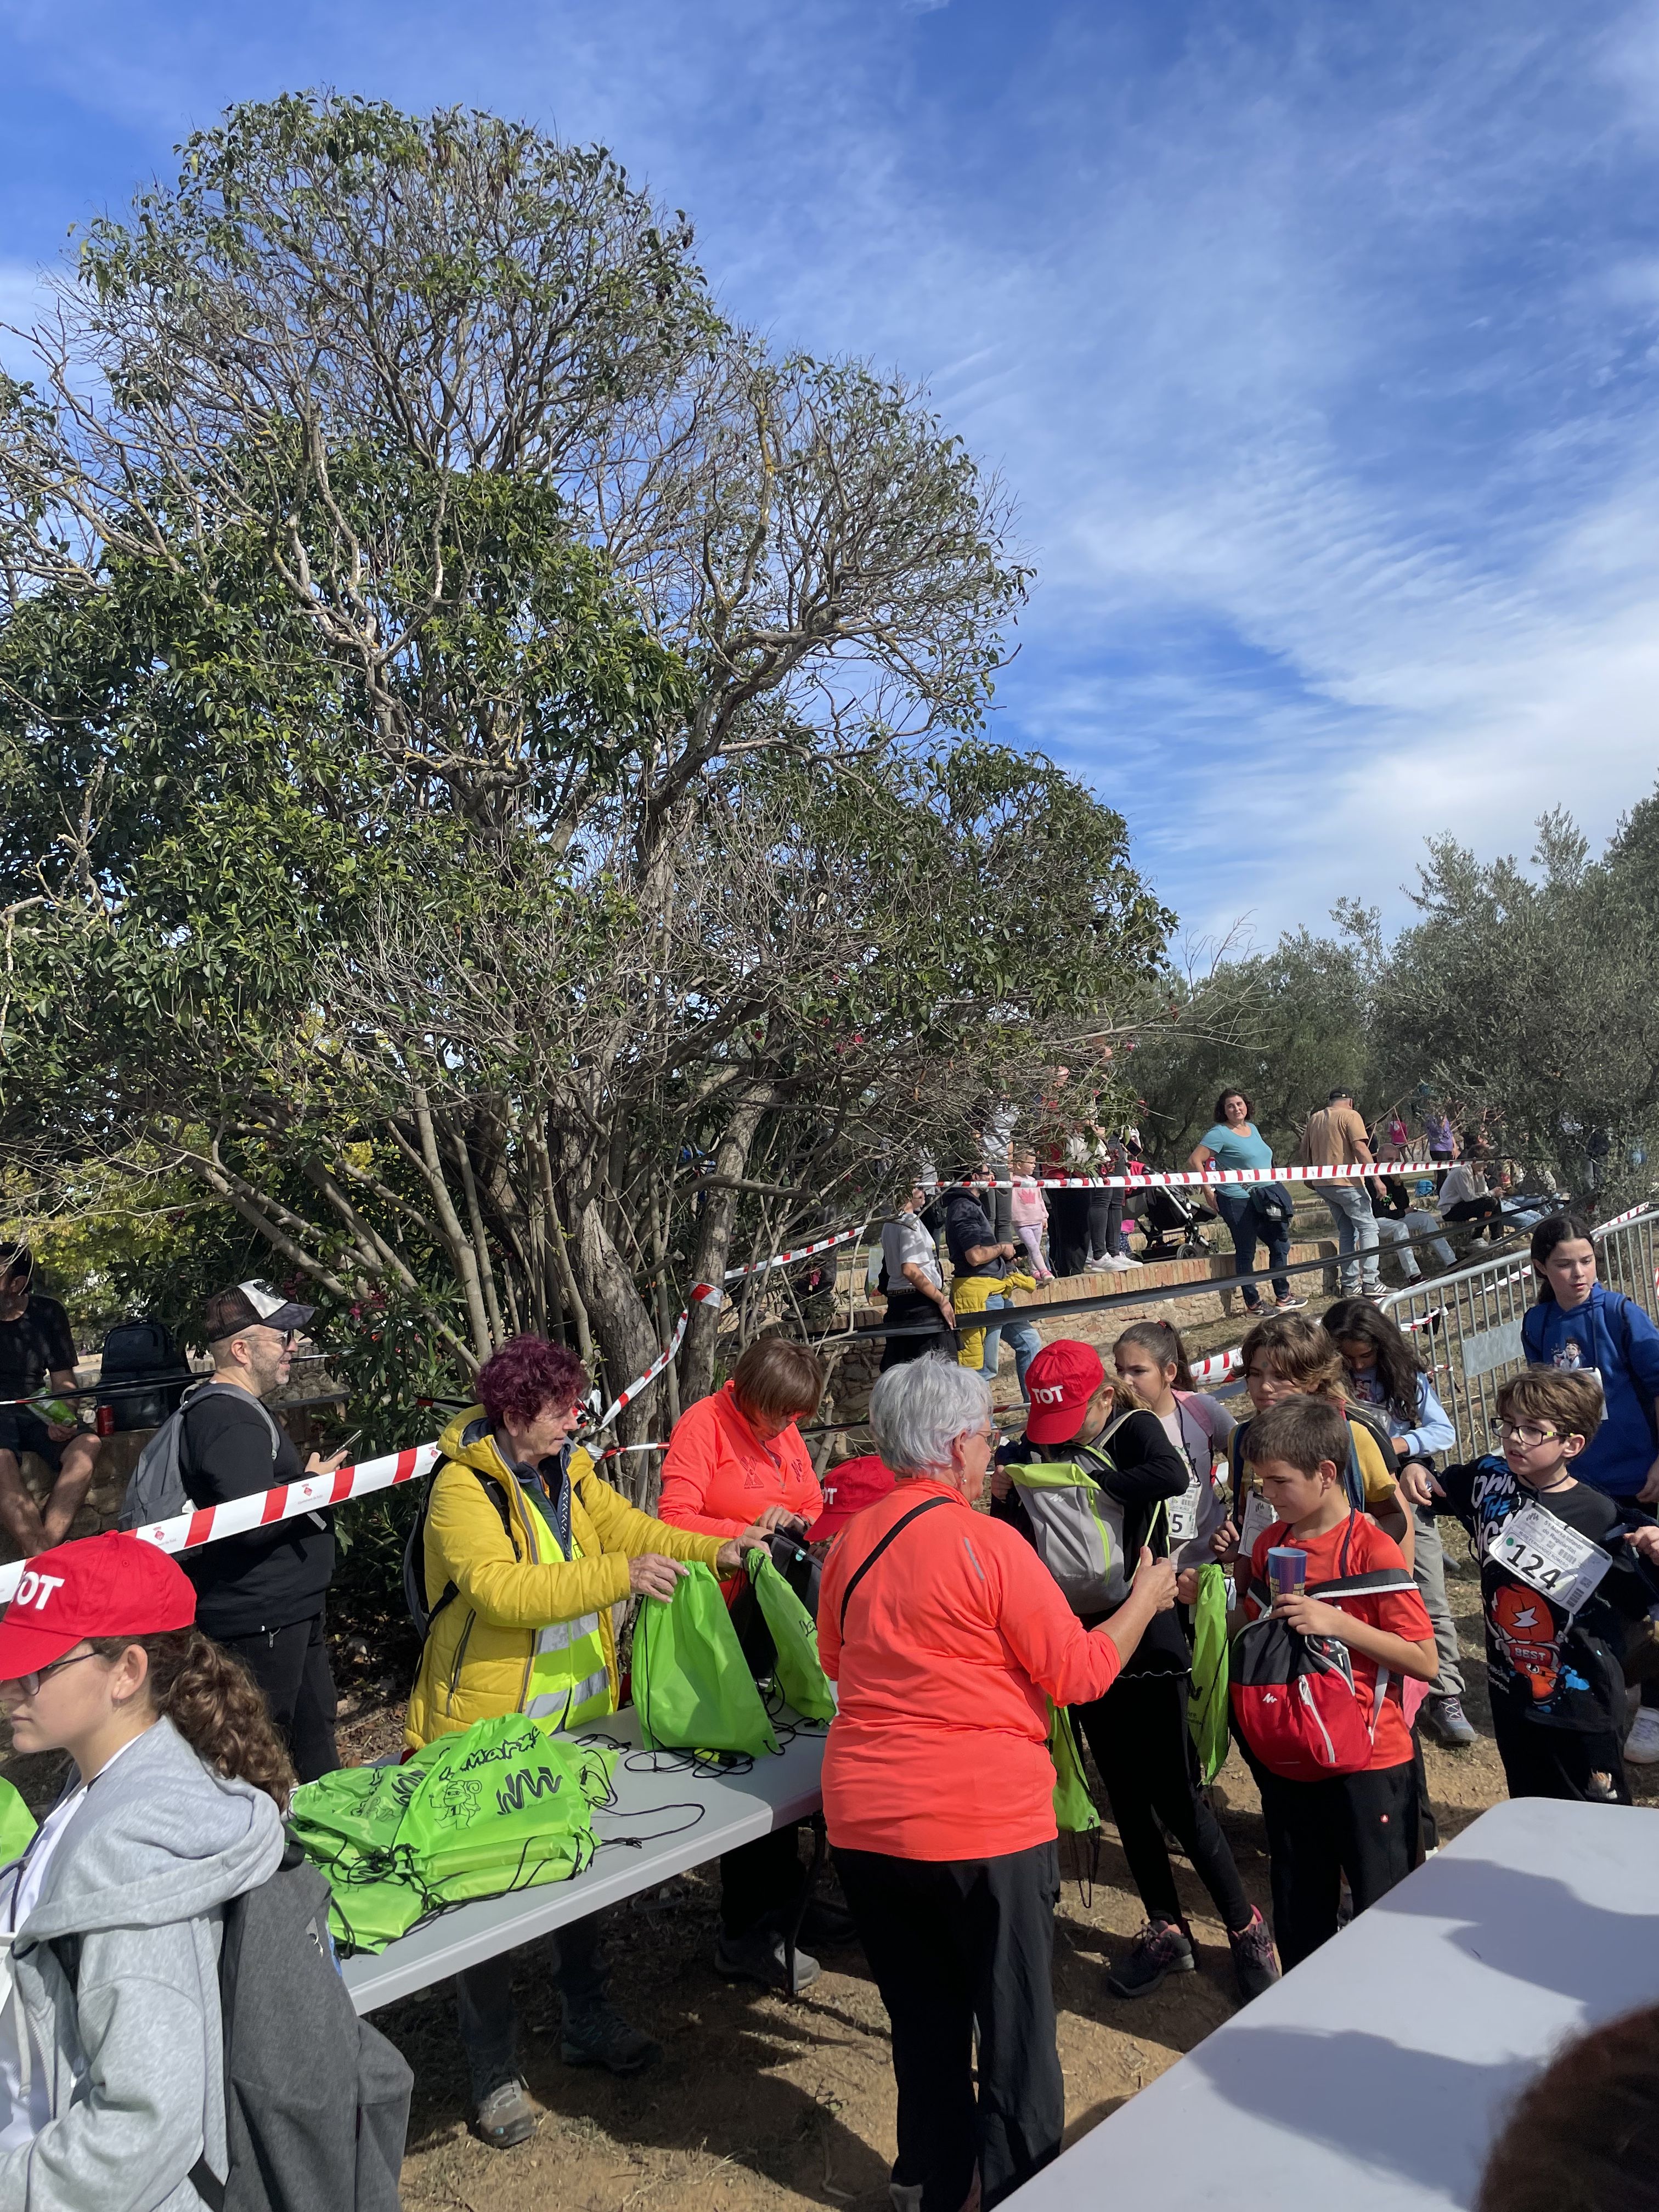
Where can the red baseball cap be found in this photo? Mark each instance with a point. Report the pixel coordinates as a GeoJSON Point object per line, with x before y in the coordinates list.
{"type": "Point", "coordinates": [847, 1489]}
{"type": "Point", "coordinates": [110, 1585]}
{"type": "Point", "coordinates": [1059, 1382]}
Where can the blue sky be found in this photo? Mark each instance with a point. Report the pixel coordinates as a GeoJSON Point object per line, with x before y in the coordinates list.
{"type": "Point", "coordinates": [1316, 344]}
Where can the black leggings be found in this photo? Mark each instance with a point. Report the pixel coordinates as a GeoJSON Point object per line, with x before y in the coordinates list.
{"type": "Point", "coordinates": [1144, 1748]}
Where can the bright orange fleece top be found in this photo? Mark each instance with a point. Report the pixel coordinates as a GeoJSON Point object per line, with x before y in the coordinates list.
{"type": "Point", "coordinates": [718, 1475]}
{"type": "Point", "coordinates": [955, 1642]}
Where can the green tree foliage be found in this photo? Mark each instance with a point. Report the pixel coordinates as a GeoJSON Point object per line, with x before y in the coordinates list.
{"type": "Point", "coordinates": [1521, 1001]}
{"type": "Point", "coordinates": [494, 788]}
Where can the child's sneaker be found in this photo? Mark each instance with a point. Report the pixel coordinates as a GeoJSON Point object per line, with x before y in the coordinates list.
{"type": "Point", "coordinates": [1448, 1721]}
{"type": "Point", "coordinates": [1642, 1744]}
{"type": "Point", "coordinates": [1254, 1961]}
{"type": "Point", "coordinates": [1162, 1948]}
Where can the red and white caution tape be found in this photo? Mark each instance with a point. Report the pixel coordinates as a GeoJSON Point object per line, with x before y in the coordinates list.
{"type": "Point", "coordinates": [800, 1252]}
{"type": "Point", "coordinates": [239, 1517]}
{"type": "Point", "coordinates": [1219, 1366]}
{"type": "Point", "coordinates": [1214, 1178]}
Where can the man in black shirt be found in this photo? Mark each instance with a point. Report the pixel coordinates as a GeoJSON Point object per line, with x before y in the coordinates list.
{"type": "Point", "coordinates": [262, 1595]}
{"type": "Point", "coordinates": [36, 1347]}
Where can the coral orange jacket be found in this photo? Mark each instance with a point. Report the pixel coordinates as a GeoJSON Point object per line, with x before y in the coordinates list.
{"type": "Point", "coordinates": [953, 1644]}
{"type": "Point", "coordinates": [718, 1475]}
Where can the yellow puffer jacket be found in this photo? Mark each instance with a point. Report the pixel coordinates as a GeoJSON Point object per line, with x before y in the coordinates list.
{"type": "Point", "coordinates": [477, 1660]}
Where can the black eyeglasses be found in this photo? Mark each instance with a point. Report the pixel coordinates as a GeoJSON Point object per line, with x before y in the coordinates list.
{"type": "Point", "coordinates": [30, 1684]}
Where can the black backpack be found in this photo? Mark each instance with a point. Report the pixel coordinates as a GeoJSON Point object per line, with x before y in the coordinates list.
{"type": "Point", "coordinates": [133, 1352]}
{"type": "Point", "coordinates": [415, 1552]}
{"type": "Point", "coordinates": [316, 2100]}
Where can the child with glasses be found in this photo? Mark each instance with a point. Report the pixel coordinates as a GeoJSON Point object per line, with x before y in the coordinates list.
{"type": "Point", "coordinates": [1565, 1570]}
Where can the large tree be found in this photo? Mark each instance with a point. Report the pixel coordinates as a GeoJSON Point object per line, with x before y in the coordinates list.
{"type": "Point", "coordinates": [492, 748]}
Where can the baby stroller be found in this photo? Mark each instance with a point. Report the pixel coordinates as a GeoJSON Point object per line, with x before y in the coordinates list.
{"type": "Point", "coordinates": [1169, 1220]}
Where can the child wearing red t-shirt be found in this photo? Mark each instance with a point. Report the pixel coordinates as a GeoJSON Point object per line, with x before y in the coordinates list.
{"type": "Point", "coordinates": [1362, 1824]}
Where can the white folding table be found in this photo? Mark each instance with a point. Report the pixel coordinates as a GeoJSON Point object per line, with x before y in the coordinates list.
{"type": "Point", "coordinates": [1376, 2074]}
{"type": "Point", "coordinates": [663, 1822]}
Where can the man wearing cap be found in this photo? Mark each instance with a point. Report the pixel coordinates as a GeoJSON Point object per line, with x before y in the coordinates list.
{"type": "Point", "coordinates": [262, 1595]}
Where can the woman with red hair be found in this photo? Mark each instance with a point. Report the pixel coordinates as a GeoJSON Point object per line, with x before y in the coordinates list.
{"type": "Point", "coordinates": [525, 1553]}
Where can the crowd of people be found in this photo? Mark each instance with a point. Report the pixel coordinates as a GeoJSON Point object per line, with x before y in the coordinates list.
{"type": "Point", "coordinates": [1104, 1560]}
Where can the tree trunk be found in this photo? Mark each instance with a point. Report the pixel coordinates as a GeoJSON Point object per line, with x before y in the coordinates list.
{"type": "Point", "coordinates": [720, 1208]}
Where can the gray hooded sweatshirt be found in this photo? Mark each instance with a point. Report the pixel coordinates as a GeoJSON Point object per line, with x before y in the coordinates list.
{"type": "Point", "coordinates": [141, 1874]}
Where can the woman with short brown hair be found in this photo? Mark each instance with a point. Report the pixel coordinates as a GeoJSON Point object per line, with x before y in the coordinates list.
{"type": "Point", "coordinates": [736, 1460]}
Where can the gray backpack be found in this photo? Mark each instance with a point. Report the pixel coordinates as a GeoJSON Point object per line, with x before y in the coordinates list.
{"type": "Point", "coordinates": [156, 1488]}
{"type": "Point", "coordinates": [1077, 1527]}
{"type": "Point", "coordinates": [316, 2100]}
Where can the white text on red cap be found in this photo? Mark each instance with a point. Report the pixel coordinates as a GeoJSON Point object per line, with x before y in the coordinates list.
{"type": "Point", "coordinates": [29, 1584]}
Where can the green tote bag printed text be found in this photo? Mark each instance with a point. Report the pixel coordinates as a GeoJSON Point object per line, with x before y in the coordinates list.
{"type": "Point", "coordinates": [800, 1675]}
{"type": "Point", "coordinates": [691, 1687]}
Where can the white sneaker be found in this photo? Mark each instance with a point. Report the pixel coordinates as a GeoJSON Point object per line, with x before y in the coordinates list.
{"type": "Point", "coordinates": [1117, 1264]}
{"type": "Point", "coordinates": [1129, 1260]}
{"type": "Point", "coordinates": [1642, 1744]}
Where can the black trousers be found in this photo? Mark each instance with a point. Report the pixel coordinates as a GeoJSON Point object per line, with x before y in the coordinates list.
{"type": "Point", "coordinates": [1475, 1209]}
{"type": "Point", "coordinates": [953, 1943]}
{"type": "Point", "coordinates": [1068, 1229]}
{"type": "Point", "coordinates": [291, 1667]}
{"type": "Point", "coordinates": [1553, 1762]}
{"type": "Point", "coordinates": [1364, 1826]}
{"type": "Point", "coordinates": [1105, 1219]}
{"type": "Point", "coordinates": [1144, 1748]}
{"type": "Point", "coordinates": [760, 1879]}
{"type": "Point", "coordinates": [905, 1309]}
{"type": "Point", "coordinates": [489, 2018]}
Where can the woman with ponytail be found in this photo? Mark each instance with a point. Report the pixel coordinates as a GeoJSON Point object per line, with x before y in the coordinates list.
{"type": "Point", "coordinates": [112, 2070]}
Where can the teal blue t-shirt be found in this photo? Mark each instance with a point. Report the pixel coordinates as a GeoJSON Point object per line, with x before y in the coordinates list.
{"type": "Point", "coordinates": [1239, 1148]}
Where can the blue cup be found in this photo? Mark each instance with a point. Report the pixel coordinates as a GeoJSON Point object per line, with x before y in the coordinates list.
{"type": "Point", "coordinates": [1287, 1569]}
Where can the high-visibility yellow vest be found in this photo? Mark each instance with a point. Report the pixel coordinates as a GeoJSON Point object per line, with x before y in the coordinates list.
{"type": "Point", "coordinates": [569, 1681]}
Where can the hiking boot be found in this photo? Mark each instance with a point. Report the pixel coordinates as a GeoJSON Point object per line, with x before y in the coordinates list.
{"type": "Point", "coordinates": [1254, 1962]}
{"type": "Point", "coordinates": [905, 2195]}
{"type": "Point", "coordinates": [598, 2035]}
{"type": "Point", "coordinates": [1642, 1744]}
{"type": "Point", "coordinates": [1162, 1948]}
{"type": "Point", "coordinates": [1601, 1790]}
{"type": "Point", "coordinates": [1447, 1717]}
{"type": "Point", "coordinates": [758, 1955]}
{"type": "Point", "coordinates": [505, 2116]}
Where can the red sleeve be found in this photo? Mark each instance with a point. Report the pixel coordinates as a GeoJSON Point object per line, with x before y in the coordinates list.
{"type": "Point", "coordinates": [1071, 1663]}
{"type": "Point", "coordinates": [1403, 1614]}
{"type": "Point", "coordinates": [688, 1468]}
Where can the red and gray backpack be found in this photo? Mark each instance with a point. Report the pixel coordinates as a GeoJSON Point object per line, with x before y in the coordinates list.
{"type": "Point", "coordinates": [1293, 1696]}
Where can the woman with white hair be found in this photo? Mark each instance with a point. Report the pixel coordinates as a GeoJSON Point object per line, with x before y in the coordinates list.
{"type": "Point", "coordinates": [948, 1637]}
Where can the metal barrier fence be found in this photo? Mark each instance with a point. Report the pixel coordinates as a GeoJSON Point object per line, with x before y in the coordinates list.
{"type": "Point", "coordinates": [1466, 1327]}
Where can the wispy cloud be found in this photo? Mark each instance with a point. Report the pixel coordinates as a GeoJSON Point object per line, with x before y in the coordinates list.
{"type": "Point", "coordinates": [1320, 348]}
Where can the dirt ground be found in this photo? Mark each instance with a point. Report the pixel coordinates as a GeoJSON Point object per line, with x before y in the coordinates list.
{"type": "Point", "coordinates": [761, 2103]}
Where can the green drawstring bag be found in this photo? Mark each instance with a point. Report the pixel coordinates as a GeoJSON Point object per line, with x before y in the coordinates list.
{"type": "Point", "coordinates": [1207, 1700]}
{"type": "Point", "coordinates": [800, 1675]}
{"type": "Point", "coordinates": [504, 1805]}
{"type": "Point", "coordinates": [1074, 1808]}
{"type": "Point", "coordinates": [16, 1825]}
{"type": "Point", "coordinates": [692, 1688]}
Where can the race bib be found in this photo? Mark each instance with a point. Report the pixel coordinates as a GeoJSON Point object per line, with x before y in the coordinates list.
{"type": "Point", "coordinates": [1550, 1558]}
{"type": "Point", "coordinates": [1259, 1517]}
{"type": "Point", "coordinates": [1184, 1513]}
